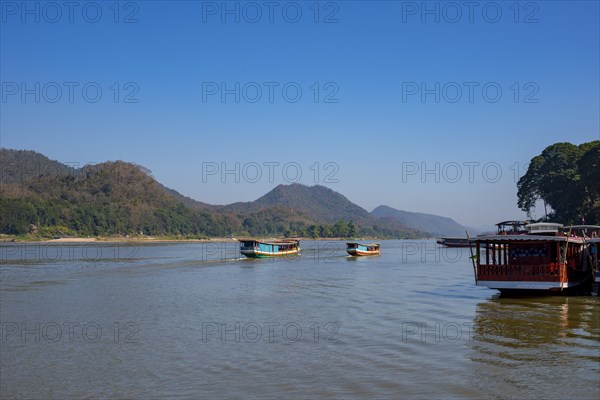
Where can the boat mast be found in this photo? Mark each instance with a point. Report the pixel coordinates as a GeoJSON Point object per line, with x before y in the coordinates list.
{"type": "Point", "coordinates": [472, 257]}
{"type": "Point", "coordinates": [563, 261]}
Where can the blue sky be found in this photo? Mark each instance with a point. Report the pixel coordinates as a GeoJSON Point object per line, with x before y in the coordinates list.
{"type": "Point", "coordinates": [432, 107]}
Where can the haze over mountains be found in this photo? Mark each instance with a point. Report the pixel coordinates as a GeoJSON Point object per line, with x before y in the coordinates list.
{"type": "Point", "coordinates": [433, 224]}
{"type": "Point", "coordinates": [123, 198]}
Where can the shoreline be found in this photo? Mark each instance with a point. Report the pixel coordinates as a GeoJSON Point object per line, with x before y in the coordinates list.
{"type": "Point", "coordinates": [150, 240]}
{"type": "Point", "coordinates": [111, 240]}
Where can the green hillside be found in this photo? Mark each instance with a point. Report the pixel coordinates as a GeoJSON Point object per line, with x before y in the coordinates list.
{"type": "Point", "coordinates": [45, 197]}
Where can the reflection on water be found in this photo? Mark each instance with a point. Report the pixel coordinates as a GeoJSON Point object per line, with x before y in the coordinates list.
{"type": "Point", "coordinates": [537, 347]}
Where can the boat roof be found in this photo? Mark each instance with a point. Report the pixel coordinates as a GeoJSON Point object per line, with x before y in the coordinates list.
{"type": "Point", "coordinates": [543, 227]}
{"type": "Point", "coordinates": [592, 227]}
{"type": "Point", "coordinates": [525, 238]}
{"type": "Point", "coordinates": [364, 244]}
{"type": "Point", "coordinates": [594, 240]}
{"type": "Point", "coordinates": [549, 224]}
{"type": "Point", "coordinates": [275, 241]}
{"type": "Point", "coordinates": [515, 222]}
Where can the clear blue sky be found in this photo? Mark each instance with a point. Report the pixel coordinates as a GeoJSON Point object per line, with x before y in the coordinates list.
{"type": "Point", "coordinates": [386, 103]}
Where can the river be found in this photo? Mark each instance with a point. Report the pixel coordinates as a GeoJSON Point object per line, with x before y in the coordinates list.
{"type": "Point", "coordinates": [194, 320]}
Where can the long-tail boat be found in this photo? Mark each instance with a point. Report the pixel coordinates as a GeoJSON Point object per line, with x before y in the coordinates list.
{"type": "Point", "coordinates": [359, 249]}
{"type": "Point", "coordinates": [453, 241]}
{"type": "Point", "coordinates": [258, 249]}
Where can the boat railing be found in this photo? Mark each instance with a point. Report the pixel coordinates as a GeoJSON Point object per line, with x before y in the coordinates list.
{"type": "Point", "coordinates": [519, 272]}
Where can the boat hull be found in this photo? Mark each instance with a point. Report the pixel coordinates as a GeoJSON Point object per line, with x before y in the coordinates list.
{"type": "Point", "coordinates": [355, 252]}
{"type": "Point", "coordinates": [453, 242]}
{"type": "Point", "coordinates": [536, 287]}
{"type": "Point", "coordinates": [264, 254]}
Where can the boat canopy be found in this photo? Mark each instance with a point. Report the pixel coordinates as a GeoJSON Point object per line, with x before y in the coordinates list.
{"type": "Point", "coordinates": [543, 227]}
{"type": "Point", "coordinates": [512, 223]}
{"type": "Point", "coordinates": [592, 227]}
{"type": "Point", "coordinates": [521, 238]}
{"type": "Point", "coordinates": [587, 230]}
{"type": "Point", "coordinates": [509, 227]}
{"type": "Point", "coordinates": [270, 242]}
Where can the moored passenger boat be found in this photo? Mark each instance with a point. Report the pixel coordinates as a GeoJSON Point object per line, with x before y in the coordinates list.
{"type": "Point", "coordinates": [543, 260]}
{"type": "Point", "coordinates": [359, 249]}
{"type": "Point", "coordinates": [453, 241]}
{"type": "Point", "coordinates": [257, 249]}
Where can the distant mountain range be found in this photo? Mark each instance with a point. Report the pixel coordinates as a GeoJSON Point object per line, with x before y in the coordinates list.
{"type": "Point", "coordinates": [122, 198]}
{"type": "Point", "coordinates": [432, 224]}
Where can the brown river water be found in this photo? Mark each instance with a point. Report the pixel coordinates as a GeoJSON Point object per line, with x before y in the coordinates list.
{"type": "Point", "coordinates": [194, 320]}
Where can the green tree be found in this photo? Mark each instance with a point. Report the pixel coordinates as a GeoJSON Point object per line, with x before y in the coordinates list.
{"type": "Point", "coordinates": [589, 170]}
{"type": "Point", "coordinates": [556, 177]}
{"type": "Point", "coordinates": [325, 231]}
{"type": "Point", "coordinates": [351, 229]}
{"type": "Point", "coordinates": [340, 229]}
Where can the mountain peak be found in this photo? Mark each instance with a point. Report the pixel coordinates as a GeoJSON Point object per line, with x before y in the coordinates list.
{"type": "Point", "coordinates": [319, 201]}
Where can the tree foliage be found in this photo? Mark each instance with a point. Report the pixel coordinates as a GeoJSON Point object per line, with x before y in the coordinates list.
{"type": "Point", "coordinates": [566, 177]}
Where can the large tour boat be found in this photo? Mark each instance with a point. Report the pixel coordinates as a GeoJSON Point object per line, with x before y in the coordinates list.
{"type": "Point", "coordinates": [257, 249]}
{"type": "Point", "coordinates": [545, 259]}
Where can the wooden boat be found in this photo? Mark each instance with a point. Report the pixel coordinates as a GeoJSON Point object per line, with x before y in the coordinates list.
{"type": "Point", "coordinates": [453, 241]}
{"type": "Point", "coordinates": [257, 249]}
{"type": "Point", "coordinates": [542, 261]}
{"type": "Point", "coordinates": [359, 249]}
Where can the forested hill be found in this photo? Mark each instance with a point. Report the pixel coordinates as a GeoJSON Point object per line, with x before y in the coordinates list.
{"type": "Point", "coordinates": [42, 196]}
{"type": "Point", "coordinates": [105, 199]}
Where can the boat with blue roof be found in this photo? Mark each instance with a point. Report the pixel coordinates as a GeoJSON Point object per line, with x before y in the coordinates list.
{"type": "Point", "coordinates": [253, 248]}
